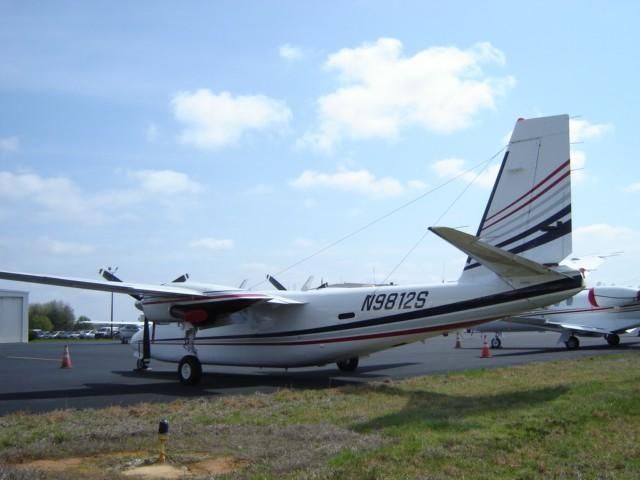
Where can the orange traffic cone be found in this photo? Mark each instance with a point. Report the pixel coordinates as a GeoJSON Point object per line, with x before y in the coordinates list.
{"type": "Point", "coordinates": [458, 342]}
{"type": "Point", "coordinates": [66, 358]}
{"type": "Point", "coordinates": [486, 352]}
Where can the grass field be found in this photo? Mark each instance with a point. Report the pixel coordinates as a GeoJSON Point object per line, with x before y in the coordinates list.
{"type": "Point", "coordinates": [571, 419]}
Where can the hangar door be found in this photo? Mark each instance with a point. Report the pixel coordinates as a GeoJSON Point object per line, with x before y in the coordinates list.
{"type": "Point", "coordinates": [11, 319]}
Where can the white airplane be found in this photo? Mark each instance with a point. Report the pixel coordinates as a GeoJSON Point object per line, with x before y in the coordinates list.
{"type": "Point", "coordinates": [597, 312]}
{"type": "Point", "coordinates": [513, 267]}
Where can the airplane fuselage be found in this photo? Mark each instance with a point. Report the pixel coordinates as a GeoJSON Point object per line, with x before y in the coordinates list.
{"type": "Point", "coordinates": [333, 324]}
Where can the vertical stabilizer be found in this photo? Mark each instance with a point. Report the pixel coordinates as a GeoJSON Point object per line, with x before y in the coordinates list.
{"type": "Point", "coordinates": [529, 210]}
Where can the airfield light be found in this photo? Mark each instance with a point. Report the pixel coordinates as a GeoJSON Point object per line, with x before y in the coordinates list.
{"type": "Point", "coordinates": [163, 437]}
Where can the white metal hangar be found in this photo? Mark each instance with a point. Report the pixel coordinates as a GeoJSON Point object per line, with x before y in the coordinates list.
{"type": "Point", "coordinates": [14, 316]}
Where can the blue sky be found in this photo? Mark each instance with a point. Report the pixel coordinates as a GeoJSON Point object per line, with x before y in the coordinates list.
{"type": "Point", "coordinates": [233, 139]}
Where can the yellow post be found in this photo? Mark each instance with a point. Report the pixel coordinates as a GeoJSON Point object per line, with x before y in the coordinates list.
{"type": "Point", "coordinates": [163, 437]}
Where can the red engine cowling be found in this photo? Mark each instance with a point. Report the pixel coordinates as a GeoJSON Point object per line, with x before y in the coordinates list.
{"type": "Point", "coordinates": [194, 316]}
{"type": "Point", "coordinates": [613, 296]}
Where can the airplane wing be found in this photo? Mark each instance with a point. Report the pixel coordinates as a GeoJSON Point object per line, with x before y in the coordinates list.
{"type": "Point", "coordinates": [100, 285]}
{"type": "Point", "coordinates": [225, 297]}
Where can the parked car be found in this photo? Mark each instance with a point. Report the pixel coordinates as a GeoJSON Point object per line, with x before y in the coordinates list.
{"type": "Point", "coordinates": [128, 331]}
{"type": "Point", "coordinates": [88, 334]}
{"type": "Point", "coordinates": [36, 333]}
{"type": "Point", "coordinates": [106, 332]}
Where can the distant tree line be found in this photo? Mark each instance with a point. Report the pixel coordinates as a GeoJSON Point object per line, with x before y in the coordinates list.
{"type": "Point", "coordinates": [56, 315]}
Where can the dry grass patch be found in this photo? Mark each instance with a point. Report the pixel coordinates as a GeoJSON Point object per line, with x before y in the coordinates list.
{"type": "Point", "coordinates": [570, 419]}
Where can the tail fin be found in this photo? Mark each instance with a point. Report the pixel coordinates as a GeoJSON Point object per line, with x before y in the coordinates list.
{"type": "Point", "coordinates": [529, 210]}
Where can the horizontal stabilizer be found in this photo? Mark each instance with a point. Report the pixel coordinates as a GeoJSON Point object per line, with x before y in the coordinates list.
{"type": "Point", "coordinates": [506, 265]}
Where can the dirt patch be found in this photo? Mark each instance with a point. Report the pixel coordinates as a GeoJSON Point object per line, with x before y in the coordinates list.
{"type": "Point", "coordinates": [58, 465]}
{"type": "Point", "coordinates": [217, 466]}
{"type": "Point", "coordinates": [152, 472]}
{"type": "Point", "coordinates": [205, 466]}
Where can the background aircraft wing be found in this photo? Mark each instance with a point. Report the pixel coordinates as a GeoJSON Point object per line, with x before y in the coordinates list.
{"type": "Point", "coordinates": [581, 328]}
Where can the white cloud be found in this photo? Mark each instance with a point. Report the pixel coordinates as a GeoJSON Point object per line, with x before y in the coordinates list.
{"type": "Point", "coordinates": [603, 230]}
{"type": "Point", "coordinates": [439, 89]}
{"type": "Point", "coordinates": [213, 243]}
{"type": "Point", "coordinates": [602, 238]}
{"type": "Point", "coordinates": [216, 120]}
{"type": "Point", "coordinates": [166, 182]}
{"type": "Point", "coordinates": [581, 129]}
{"type": "Point", "coordinates": [56, 247]}
{"type": "Point", "coordinates": [59, 198]}
{"type": "Point", "coordinates": [310, 203]}
{"type": "Point", "coordinates": [152, 132]}
{"type": "Point", "coordinates": [634, 187]}
{"type": "Point", "coordinates": [455, 167]}
{"type": "Point", "coordinates": [290, 52]}
{"type": "Point", "coordinates": [303, 243]}
{"type": "Point", "coordinates": [9, 145]}
{"type": "Point", "coordinates": [260, 189]}
{"type": "Point", "coordinates": [56, 194]}
{"type": "Point", "coordinates": [357, 181]}
{"type": "Point", "coordinates": [578, 161]}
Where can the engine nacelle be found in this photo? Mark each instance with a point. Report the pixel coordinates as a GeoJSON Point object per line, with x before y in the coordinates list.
{"type": "Point", "coordinates": [194, 316]}
{"type": "Point", "coordinates": [607, 297]}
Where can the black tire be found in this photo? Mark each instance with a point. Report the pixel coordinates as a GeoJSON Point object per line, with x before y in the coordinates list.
{"type": "Point", "coordinates": [190, 370]}
{"type": "Point", "coordinates": [348, 365]}
{"type": "Point", "coordinates": [572, 343]}
{"type": "Point", "coordinates": [496, 342]}
{"type": "Point", "coordinates": [141, 364]}
{"type": "Point", "coordinates": [613, 339]}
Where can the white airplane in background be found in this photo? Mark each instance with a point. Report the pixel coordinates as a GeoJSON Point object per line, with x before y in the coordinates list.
{"type": "Point", "coordinates": [513, 267]}
{"type": "Point", "coordinates": [597, 312]}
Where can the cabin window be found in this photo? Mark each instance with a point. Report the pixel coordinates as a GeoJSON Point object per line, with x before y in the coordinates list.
{"type": "Point", "coordinates": [346, 316]}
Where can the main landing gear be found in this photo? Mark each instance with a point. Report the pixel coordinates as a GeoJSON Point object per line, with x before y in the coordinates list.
{"type": "Point", "coordinates": [143, 359]}
{"type": "Point", "coordinates": [572, 343]}
{"type": "Point", "coordinates": [496, 342]}
{"type": "Point", "coordinates": [613, 339]}
{"type": "Point", "coordinates": [349, 365]}
{"type": "Point", "coordinates": [190, 367]}
{"type": "Point", "coordinates": [190, 370]}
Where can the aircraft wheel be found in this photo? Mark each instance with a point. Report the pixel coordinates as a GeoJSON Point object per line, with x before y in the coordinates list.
{"type": "Point", "coordinates": [348, 365]}
{"type": "Point", "coordinates": [189, 370]}
{"type": "Point", "coordinates": [612, 339]}
{"type": "Point", "coordinates": [572, 343]}
{"type": "Point", "coordinates": [496, 342]}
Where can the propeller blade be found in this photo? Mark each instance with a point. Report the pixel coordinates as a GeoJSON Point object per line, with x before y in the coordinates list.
{"type": "Point", "coordinates": [275, 283]}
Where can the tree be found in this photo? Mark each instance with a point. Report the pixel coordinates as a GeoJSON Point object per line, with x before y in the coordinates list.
{"type": "Point", "coordinates": [59, 313]}
{"type": "Point", "coordinates": [40, 322]}
{"type": "Point", "coordinates": [83, 323]}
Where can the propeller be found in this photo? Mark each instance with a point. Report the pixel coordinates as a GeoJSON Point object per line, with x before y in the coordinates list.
{"type": "Point", "coordinates": [275, 283]}
{"type": "Point", "coordinates": [182, 278]}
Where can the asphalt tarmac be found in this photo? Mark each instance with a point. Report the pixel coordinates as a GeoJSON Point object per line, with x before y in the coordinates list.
{"type": "Point", "coordinates": [102, 372]}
